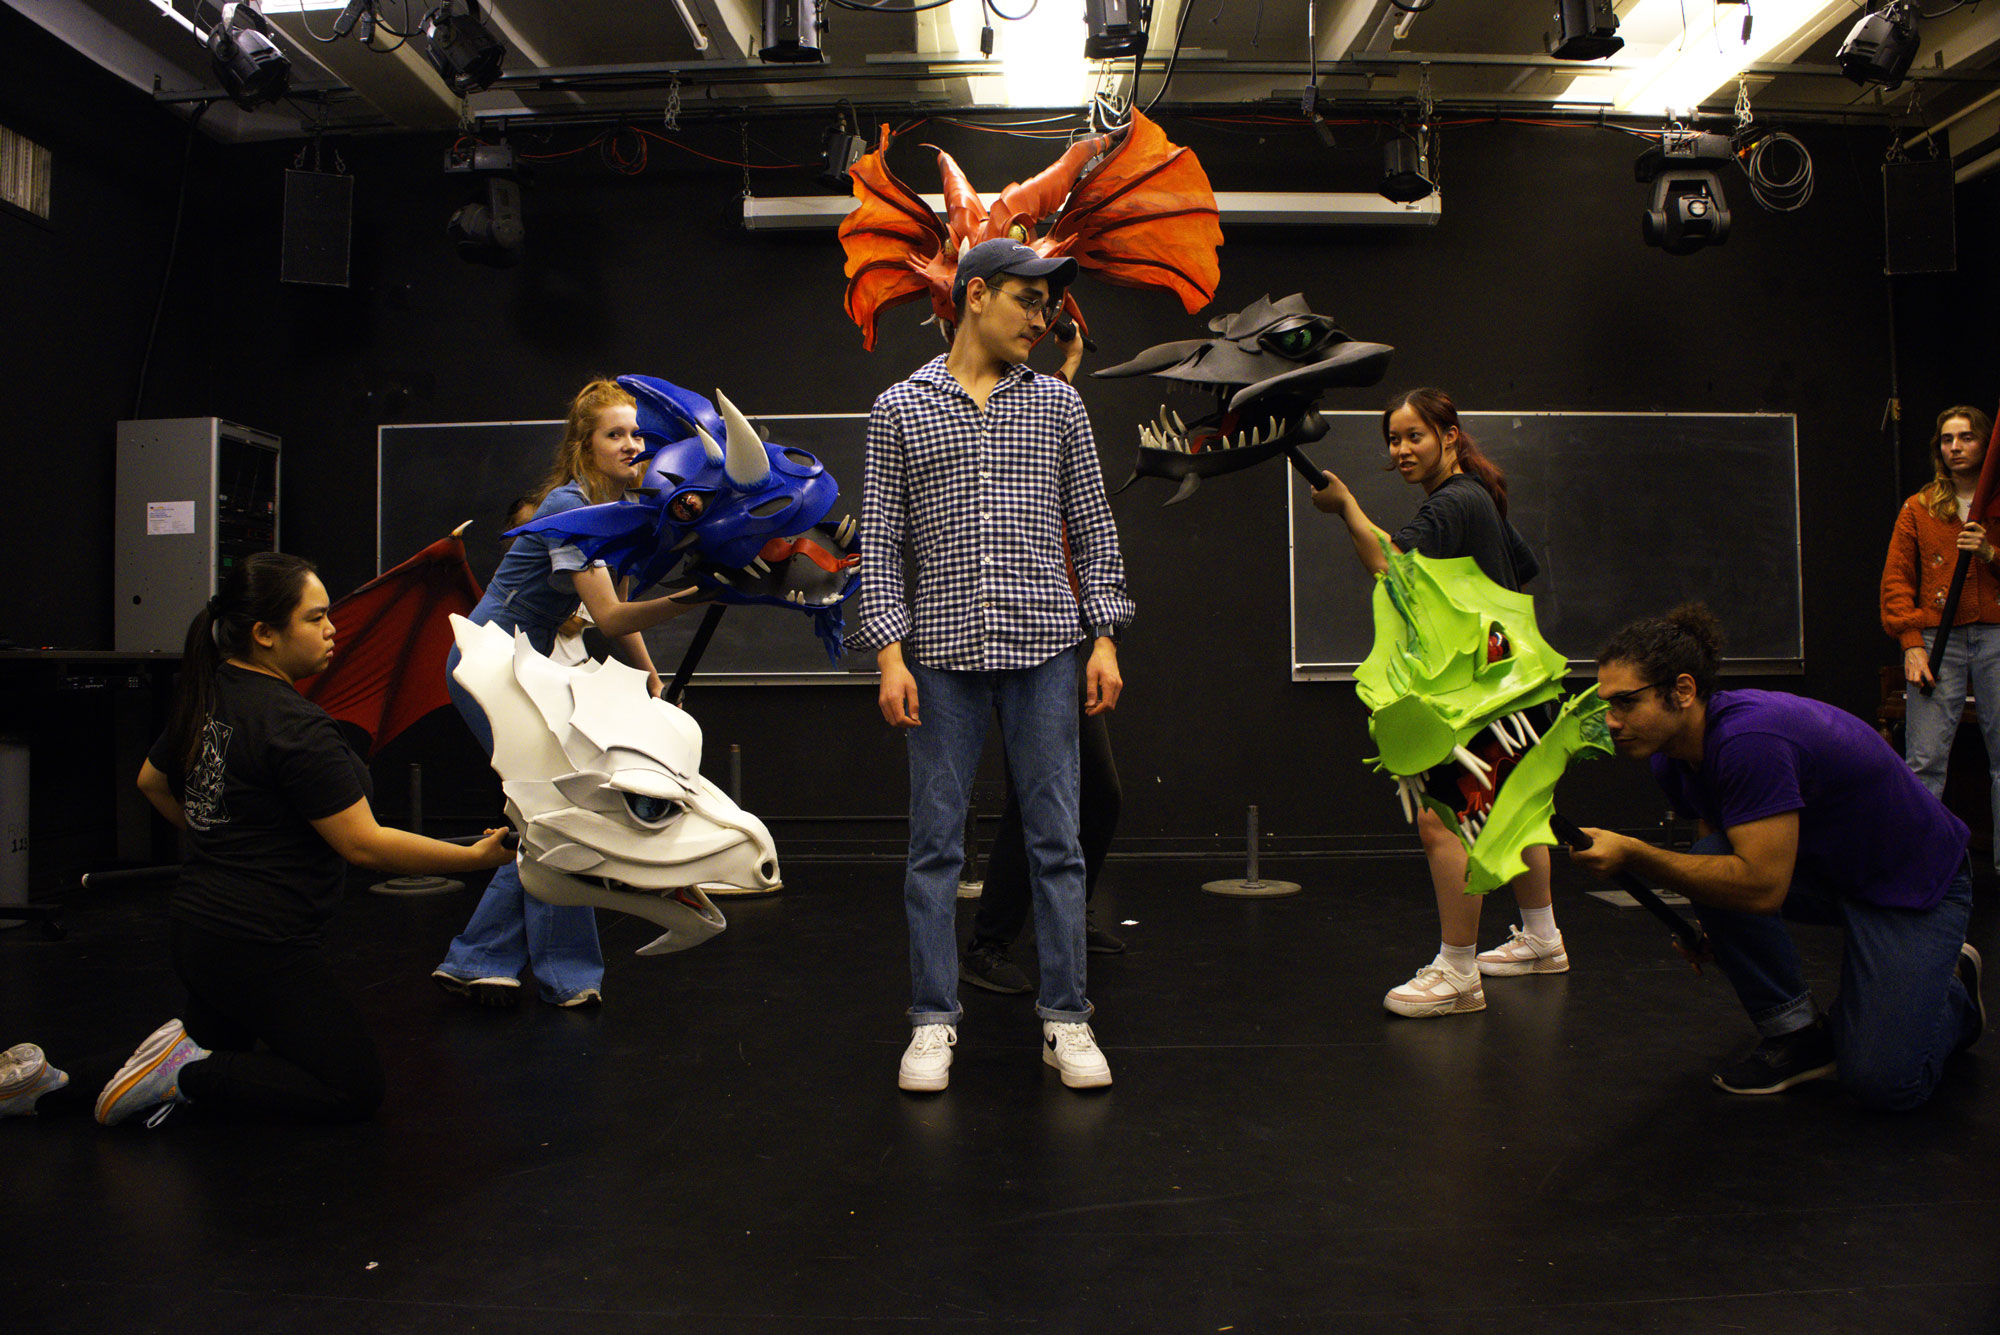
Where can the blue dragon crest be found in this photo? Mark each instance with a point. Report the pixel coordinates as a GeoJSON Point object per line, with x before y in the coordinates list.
{"type": "Point", "coordinates": [742, 520]}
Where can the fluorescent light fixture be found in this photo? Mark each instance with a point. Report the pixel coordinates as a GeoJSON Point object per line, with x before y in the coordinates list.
{"type": "Point", "coordinates": [166, 7]}
{"type": "Point", "coordinates": [1707, 55]}
{"type": "Point", "coordinates": [1040, 56]}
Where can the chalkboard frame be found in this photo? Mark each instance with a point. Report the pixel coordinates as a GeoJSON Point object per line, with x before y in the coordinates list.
{"type": "Point", "coordinates": [1312, 547]}
{"type": "Point", "coordinates": [666, 644]}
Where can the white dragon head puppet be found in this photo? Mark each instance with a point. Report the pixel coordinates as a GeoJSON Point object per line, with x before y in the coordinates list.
{"type": "Point", "coordinates": [603, 781]}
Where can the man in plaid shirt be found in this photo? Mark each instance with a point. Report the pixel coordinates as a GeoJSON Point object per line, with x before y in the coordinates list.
{"type": "Point", "coordinates": [975, 467]}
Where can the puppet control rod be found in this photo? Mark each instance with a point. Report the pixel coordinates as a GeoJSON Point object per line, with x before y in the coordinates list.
{"type": "Point", "coordinates": [1691, 936]}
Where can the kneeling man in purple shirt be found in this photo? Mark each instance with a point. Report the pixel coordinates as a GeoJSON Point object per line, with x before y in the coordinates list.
{"type": "Point", "coordinates": [1804, 813]}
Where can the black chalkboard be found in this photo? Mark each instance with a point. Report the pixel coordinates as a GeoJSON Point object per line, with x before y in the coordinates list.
{"type": "Point", "coordinates": [1628, 514]}
{"type": "Point", "coordinates": [434, 476]}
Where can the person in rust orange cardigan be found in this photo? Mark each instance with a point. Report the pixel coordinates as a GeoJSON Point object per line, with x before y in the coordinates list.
{"type": "Point", "coordinates": [1930, 533]}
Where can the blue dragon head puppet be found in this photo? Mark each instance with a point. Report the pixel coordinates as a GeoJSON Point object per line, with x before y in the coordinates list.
{"type": "Point", "coordinates": [1265, 370]}
{"type": "Point", "coordinates": [742, 520]}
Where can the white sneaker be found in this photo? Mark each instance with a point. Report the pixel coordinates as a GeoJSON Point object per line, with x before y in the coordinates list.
{"type": "Point", "coordinates": [1525, 953]}
{"type": "Point", "coordinates": [1072, 1049]}
{"type": "Point", "coordinates": [927, 1061]}
{"type": "Point", "coordinates": [1438, 989]}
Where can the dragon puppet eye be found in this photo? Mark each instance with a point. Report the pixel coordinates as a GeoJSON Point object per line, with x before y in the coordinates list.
{"type": "Point", "coordinates": [1295, 342]}
{"type": "Point", "coordinates": [688, 506]}
{"type": "Point", "coordinates": [651, 811]}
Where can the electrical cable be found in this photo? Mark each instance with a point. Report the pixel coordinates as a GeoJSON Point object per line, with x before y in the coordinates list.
{"type": "Point", "coordinates": [173, 249]}
{"type": "Point", "coordinates": [1000, 13]}
{"type": "Point", "coordinates": [1187, 7]}
{"type": "Point", "coordinates": [887, 9]}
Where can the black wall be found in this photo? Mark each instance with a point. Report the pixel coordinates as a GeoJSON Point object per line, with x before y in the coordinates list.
{"type": "Point", "coordinates": [1535, 292]}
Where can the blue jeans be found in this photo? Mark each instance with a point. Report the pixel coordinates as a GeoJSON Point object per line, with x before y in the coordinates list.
{"type": "Point", "coordinates": [1971, 658]}
{"type": "Point", "coordinates": [511, 928]}
{"type": "Point", "coordinates": [1901, 1010]}
{"type": "Point", "coordinates": [1038, 716]}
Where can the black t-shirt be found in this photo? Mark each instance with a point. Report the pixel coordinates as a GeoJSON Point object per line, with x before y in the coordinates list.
{"type": "Point", "coordinates": [1460, 519]}
{"type": "Point", "coordinates": [269, 762]}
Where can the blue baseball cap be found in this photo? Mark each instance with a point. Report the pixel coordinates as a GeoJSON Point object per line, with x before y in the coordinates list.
{"type": "Point", "coordinates": [990, 258]}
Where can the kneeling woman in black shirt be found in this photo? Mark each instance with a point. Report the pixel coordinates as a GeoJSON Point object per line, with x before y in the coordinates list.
{"type": "Point", "coordinates": [274, 804]}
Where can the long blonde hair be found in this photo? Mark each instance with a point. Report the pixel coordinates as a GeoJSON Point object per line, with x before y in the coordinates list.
{"type": "Point", "coordinates": [572, 461]}
{"type": "Point", "coordinates": [1940, 496]}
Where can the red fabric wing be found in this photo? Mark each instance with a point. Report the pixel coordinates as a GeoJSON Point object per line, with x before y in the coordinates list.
{"type": "Point", "coordinates": [1146, 217]}
{"type": "Point", "coordinates": [391, 640]}
{"type": "Point", "coordinates": [889, 238]}
{"type": "Point", "coordinates": [1981, 512]}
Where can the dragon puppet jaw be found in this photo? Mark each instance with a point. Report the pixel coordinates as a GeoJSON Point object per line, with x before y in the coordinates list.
{"type": "Point", "coordinates": [1264, 372]}
{"type": "Point", "coordinates": [1130, 206]}
{"type": "Point", "coordinates": [604, 784]}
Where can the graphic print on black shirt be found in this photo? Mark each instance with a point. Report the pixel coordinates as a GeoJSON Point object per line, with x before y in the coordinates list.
{"type": "Point", "coordinates": [204, 805]}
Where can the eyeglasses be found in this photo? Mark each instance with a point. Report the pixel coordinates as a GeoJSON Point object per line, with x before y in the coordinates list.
{"type": "Point", "coordinates": [1035, 308]}
{"type": "Point", "coordinates": [1626, 701]}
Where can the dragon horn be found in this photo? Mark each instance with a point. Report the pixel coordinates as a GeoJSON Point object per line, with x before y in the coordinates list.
{"type": "Point", "coordinates": [747, 465]}
{"type": "Point", "coordinates": [713, 450]}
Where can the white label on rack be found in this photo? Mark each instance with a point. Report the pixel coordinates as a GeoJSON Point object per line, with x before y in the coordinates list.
{"type": "Point", "coordinates": [164, 517]}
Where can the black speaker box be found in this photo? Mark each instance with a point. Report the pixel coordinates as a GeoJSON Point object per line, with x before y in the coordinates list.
{"type": "Point", "coordinates": [319, 213]}
{"type": "Point", "coordinates": [1920, 230]}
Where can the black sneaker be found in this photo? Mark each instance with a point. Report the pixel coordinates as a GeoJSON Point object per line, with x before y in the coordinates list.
{"type": "Point", "coordinates": [1779, 1063]}
{"type": "Point", "coordinates": [1097, 941]}
{"type": "Point", "coordinates": [989, 967]}
{"type": "Point", "coordinates": [1968, 973]}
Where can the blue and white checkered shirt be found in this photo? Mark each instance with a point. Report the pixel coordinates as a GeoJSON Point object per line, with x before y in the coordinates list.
{"type": "Point", "coordinates": [980, 499]}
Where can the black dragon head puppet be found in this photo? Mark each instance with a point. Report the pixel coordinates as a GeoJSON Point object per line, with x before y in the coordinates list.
{"type": "Point", "coordinates": [1266, 368]}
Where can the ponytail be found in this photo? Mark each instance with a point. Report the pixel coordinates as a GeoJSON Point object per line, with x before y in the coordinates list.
{"type": "Point", "coordinates": [263, 587]}
{"type": "Point", "coordinates": [1440, 414]}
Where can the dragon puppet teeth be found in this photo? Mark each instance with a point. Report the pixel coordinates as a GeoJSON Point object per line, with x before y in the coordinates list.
{"type": "Point", "coordinates": [1180, 427]}
{"type": "Point", "coordinates": [845, 531]}
{"type": "Point", "coordinates": [1405, 793]}
{"type": "Point", "coordinates": [1521, 721]}
{"type": "Point", "coordinates": [1474, 766]}
{"type": "Point", "coordinates": [1508, 742]}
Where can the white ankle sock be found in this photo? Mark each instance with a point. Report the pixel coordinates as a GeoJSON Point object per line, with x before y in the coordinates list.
{"type": "Point", "coordinates": [1540, 922]}
{"type": "Point", "coordinates": [1464, 959]}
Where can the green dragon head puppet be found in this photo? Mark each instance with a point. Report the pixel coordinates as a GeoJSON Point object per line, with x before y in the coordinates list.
{"type": "Point", "coordinates": [1456, 680]}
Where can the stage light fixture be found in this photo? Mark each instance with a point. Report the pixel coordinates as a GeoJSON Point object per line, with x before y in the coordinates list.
{"type": "Point", "coordinates": [840, 149]}
{"type": "Point", "coordinates": [1406, 176]}
{"type": "Point", "coordinates": [247, 61]}
{"type": "Point", "coordinates": [1585, 30]}
{"type": "Point", "coordinates": [488, 231]}
{"type": "Point", "coordinates": [793, 32]}
{"type": "Point", "coordinates": [1117, 28]}
{"type": "Point", "coordinates": [1688, 209]}
{"type": "Point", "coordinates": [465, 53]}
{"type": "Point", "coordinates": [1881, 46]}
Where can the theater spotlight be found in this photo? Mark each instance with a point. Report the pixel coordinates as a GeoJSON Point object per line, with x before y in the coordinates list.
{"type": "Point", "coordinates": [247, 61]}
{"type": "Point", "coordinates": [1117, 28]}
{"type": "Point", "coordinates": [1881, 46]}
{"type": "Point", "coordinates": [1585, 30]}
{"type": "Point", "coordinates": [793, 32]}
{"type": "Point", "coordinates": [1688, 209]}
{"type": "Point", "coordinates": [466, 55]}
{"type": "Point", "coordinates": [488, 230]}
{"type": "Point", "coordinates": [1405, 173]}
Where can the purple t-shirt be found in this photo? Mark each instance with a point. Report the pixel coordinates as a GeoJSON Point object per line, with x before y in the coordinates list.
{"type": "Point", "coordinates": [1867, 828]}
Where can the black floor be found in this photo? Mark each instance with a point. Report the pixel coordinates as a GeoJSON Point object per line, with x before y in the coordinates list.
{"type": "Point", "coordinates": [723, 1147]}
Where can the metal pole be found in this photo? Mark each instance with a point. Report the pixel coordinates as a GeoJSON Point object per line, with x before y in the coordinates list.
{"type": "Point", "coordinates": [1252, 886]}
